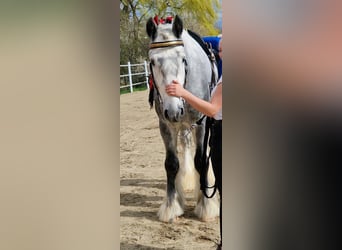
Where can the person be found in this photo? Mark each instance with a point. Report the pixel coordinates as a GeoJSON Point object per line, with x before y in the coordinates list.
{"type": "Point", "coordinates": [285, 137]}
{"type": "Point", "coordinates": [212, 109]}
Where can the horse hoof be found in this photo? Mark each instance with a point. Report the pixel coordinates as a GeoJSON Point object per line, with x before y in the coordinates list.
{"type": "Point", "coordinates": [168, 211]}
{"type": "Point", "coordinates": [207, 209]}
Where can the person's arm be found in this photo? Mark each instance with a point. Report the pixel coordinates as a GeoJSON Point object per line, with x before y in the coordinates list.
{"type": "Point", "coordinates": [208, 108]}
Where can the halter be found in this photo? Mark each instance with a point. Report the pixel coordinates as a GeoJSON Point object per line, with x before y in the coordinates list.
{"type": "Point", "coordinates": [166, 44]}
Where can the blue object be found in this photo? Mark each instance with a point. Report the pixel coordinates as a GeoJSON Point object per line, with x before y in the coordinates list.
{"type": "Point", "coordinates": [215, 41]}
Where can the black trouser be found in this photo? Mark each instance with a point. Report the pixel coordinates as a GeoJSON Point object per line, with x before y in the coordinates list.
{"type": "Point", "coordinates": [216, 159]}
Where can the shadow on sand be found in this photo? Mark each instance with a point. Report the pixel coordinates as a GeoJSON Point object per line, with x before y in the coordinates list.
{"type": "Point", "coordinates": [140, 200]}
{"type": "Point", "coordinates": [128, 246]}
{"type": "Point", "coordinates": [153, 183]}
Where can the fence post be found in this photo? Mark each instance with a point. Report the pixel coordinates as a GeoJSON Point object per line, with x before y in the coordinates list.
{"type": "Point", "coordinates": [146, 74]}
{"type": "Point", "coordinates": [130, 77]}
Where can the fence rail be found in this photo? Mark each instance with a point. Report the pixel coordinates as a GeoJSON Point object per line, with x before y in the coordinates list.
{"type": "Point", "coordinates": [132, 70]}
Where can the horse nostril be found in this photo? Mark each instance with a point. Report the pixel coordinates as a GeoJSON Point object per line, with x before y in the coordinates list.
{"type": "Point", "coordinates": [182, 111]}
{"type": "Point", "coordinates": [166, 114]}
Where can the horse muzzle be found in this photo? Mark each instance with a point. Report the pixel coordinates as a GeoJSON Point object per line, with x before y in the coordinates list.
{"type": "Point", "coordinates": [174, 115]}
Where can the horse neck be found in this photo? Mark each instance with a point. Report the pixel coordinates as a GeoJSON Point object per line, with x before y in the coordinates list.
{"type": "Point", "coordinates": [199, 67]}
{"type": "Point", "coordinates": [192, 48]}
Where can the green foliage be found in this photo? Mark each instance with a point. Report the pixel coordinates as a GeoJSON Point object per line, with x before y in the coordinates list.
{"type": "Point", "coordinates": [197, 15]}
{"type": "Point", "coordinates": [198, 12]}
{"type": "Point", "coordinates": [135, 88]}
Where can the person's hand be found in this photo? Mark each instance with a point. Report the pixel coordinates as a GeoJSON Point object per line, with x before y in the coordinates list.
{"type": "Point", "coordinates": [175, 89]}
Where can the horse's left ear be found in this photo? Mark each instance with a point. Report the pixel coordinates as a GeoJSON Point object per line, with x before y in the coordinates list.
{"type": "Point", "coordinates": [151, 28]}
{"type": "Point", "coordinates": [177, 27]}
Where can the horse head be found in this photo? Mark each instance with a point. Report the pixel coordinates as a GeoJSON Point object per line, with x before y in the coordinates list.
{"type": "Point", "coordinates": [167, 62]}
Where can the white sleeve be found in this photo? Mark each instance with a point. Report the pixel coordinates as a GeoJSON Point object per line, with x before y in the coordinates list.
{"type": "Point", "coordinates": [219, 81]}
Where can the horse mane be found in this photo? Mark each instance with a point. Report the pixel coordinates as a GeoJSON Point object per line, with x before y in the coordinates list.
{"type": "Point", "coordinates": [199, 40]}
{"type": "Point", "coordinates": [203, 44]}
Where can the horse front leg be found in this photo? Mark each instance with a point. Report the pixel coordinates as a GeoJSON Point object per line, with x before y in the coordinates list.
{"type": "Point", "coordinates": [186, 174]}
{"type": "Point", "coordinates": [206, 209]}
{"type": "Point", "coordinates": [172, 206]}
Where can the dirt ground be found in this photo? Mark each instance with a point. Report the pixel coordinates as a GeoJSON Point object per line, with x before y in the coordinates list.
{"type": "Point", "coordinates": [143, 184]}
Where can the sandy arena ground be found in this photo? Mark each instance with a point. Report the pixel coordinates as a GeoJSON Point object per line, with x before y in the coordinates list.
{"type": "Point", "coordinates": [143, 184]}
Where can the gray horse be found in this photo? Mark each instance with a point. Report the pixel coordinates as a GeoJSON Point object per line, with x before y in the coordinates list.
{"type": "Point", "coordinates": [174, 54]}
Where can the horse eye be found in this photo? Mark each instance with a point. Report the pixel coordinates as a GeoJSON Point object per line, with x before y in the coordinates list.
{"type": "Point", "coordinates": [184, 60]}
{"type": "Point", "coordinates": [152, 62]}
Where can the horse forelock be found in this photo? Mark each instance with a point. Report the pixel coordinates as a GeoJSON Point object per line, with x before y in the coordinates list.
{"type": "Point", "coordinates": [164, 33]}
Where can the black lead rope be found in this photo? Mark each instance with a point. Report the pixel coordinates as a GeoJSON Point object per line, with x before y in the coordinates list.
{"type": "Point", "coordinates": [205, 162]}
{"type": "Point", "coordinates": [206, 159]}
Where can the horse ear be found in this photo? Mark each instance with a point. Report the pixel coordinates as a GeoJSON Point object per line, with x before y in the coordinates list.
{"type": "Point", "coordinates": [177, 26]}
{"type": "Point", "coordinates": [151, 28]}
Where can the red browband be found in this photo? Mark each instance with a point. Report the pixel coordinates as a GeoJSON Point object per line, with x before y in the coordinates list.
{"type": "Point", "coordinates": [158, 20]}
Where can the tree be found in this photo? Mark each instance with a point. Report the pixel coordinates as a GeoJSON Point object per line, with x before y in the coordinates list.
{"type": "Point", "coordinates": [197, 15]}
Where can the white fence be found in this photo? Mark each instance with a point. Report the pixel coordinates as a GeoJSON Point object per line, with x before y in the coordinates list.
{"type": "Point", "coordinates": [132, 73]}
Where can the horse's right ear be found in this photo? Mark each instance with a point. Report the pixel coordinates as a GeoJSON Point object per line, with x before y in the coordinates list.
{"type": "Point", "coordinates": [151, 28]}
{"type": "Point", "coordinates": [177, 26]}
